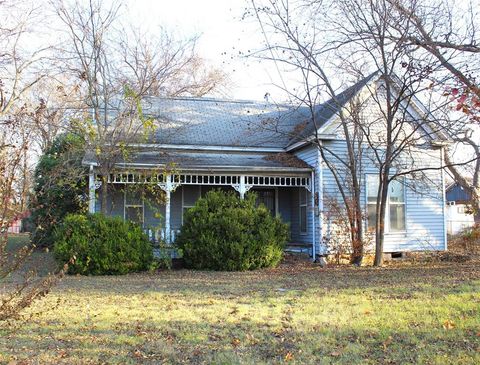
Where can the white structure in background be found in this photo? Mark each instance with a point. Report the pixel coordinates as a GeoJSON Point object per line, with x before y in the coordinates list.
{"type": "Point", "coordinates": [458, 215]}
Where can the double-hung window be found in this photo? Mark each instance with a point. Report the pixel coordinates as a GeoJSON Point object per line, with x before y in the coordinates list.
{"type": "Point", "coordinates": [191, 193]}
{"type": "Point", "coordinates": [395, 209]}
{"type": "Point", "coordinates": [303, 210]}
{"type": "Point", "coordinates": [134, 210]}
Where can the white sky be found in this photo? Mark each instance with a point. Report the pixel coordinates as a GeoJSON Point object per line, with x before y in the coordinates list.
{"type": "Point", "coordinates": [222, 35]}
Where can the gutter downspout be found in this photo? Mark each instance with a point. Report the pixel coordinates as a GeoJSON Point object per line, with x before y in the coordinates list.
{"type": "Point", "coordinates": [444, 198]}
{"type": "Point", "coordinates": [312, 195]}
{"type": "Point", "coordinates": [322, 250]}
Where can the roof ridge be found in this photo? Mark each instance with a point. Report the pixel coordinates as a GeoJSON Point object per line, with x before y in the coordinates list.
{"type": "Point", "coordinates": [213, 99]}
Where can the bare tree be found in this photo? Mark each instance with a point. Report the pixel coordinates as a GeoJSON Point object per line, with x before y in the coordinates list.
{"type": "Point", "coordinates": [293, 39]}
{"type": "Point", "coordinates": [115, 76]}
{"type": "Point", "coordinates": [351, 37]}
{"type": "Point", "coordinates": [26, 286]}
{"type": "Point", "coordinates": [159, 65]}
{"type": "Point", "coordinates": [449, 31]}
{"type": "Point", "coordinates": [22, 68]}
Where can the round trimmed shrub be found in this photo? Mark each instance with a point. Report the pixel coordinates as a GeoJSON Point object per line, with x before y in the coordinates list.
{"type": "Point", "coordinates": [102, 245]}
{"type": "Point", "coordinates": [223, 232]}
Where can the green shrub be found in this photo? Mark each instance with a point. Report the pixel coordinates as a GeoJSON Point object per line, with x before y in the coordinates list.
{"type": "Point", "coordinates": [223, 232]}
{"type": "Point", "coordinates": [102, 245]}
{"type": "Point", "coordinates": [60, 187]}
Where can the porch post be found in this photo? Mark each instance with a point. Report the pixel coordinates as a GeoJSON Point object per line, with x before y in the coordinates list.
{"type": "Point", "coordinates": [322, 248]}
{"type": "Point", "coordinates": [167, 215]}
{"type": "Point", "coordinates": [91, 191]}
{"type": "Point", "coordinates": [168, 186]}
{"type": "Point", "coordinates": [242, 187]}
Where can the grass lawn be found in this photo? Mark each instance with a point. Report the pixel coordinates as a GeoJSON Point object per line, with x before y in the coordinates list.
{"type": "Point", "coordinates": [297, 313]}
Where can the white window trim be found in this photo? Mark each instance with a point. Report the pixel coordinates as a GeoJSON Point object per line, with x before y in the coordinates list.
{"type": "Point", "coordinates": [300, 206]}
{"type": "Point", "coordinates": [387, 209]}
{"type": "Point", "coordinates": [125, 206]}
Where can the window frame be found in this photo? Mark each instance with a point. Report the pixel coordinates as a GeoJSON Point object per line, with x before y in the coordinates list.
{"type": "Point", "coordinates": [183, 198]}
{"type": "Point", "coordinates": [300, 207]}
{"type": "Point", "coordinates": [388, 229]}
{"type": "Point", "coordinates": [125, 206]}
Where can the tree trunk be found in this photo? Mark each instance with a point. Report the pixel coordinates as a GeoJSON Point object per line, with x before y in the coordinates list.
{"type": "Point", "coordinates": [380, 219]}
{"type": "Point", "coordinates": [104, 193]}
{"type": "Point", "coordinates": [476, 203]}
{"type": "Point", "coordinates": [355, 217]}
{"type": "Point", "coordinates": [357, 236]}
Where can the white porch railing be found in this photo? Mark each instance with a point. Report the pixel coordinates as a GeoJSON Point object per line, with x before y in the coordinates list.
{"type": "Point", "coordinates": [161, 246]}
{"type": "Point", "coordinates": [160, 235]}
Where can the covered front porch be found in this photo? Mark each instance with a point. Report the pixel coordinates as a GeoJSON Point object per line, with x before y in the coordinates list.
{"type": "Point", "coordinates": [288, 195]}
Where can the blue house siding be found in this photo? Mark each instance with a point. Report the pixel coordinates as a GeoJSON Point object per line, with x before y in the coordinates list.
{"type": "Point", "coordinates": [309, 154]}
{"type": "Point", "coordinates": [285, 205]}
{"type": "Point", "coordinates": [425, 228]}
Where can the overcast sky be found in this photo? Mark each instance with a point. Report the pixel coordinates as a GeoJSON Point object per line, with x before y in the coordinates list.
{"type": "Point", "coordinates": [222, 35]}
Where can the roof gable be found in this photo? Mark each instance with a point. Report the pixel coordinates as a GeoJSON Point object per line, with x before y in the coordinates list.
{"type": "Point", "coordinates": [326, 112]}
{"type": "Point", "coordinates": [415, 108]}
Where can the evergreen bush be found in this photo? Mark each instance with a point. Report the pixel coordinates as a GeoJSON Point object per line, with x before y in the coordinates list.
{"type": "Point", "coordinates": [223, 232]}
{"type": "Point", "coordinates": [102, 245]}
{"type": "Point", "coordinates": [60, 187]}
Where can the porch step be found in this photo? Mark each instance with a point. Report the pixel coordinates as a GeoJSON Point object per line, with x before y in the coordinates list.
{"type": "Point", "coordinates": [298, 247]}
{"type": "Point", "coordinates": [164, 252]}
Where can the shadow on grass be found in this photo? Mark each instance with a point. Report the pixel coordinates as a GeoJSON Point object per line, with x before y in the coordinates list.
{"type": "Point", "coordinates": [242, 342]}
{"type": "Point", "coordinates": [295, 314]}
{"type": "Point", "coordinates": [432, 278]}
{"type": "Point", "coordinates": [39, 260]}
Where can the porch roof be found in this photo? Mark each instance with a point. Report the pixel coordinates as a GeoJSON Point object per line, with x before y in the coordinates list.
{"type": "Point", "coordinates": [211, 161]}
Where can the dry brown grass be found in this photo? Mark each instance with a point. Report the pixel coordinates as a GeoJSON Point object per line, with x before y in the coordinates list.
{"type": "Point", "coordinates": [298, 313]}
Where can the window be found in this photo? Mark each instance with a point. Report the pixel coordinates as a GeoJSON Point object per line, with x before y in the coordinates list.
{"type": "Point", "coordinates": [191, 193]}
{"type": "Point", "coordinates": [396, 192]}
{"type": "Point", "coordinates": [372, 191]}
{"type": "Point", "coordinates": [134, 206]}
{"type": "Point", "coordinates": [303, 210]}
{"type": "Point", "coordinates": [395, 210]}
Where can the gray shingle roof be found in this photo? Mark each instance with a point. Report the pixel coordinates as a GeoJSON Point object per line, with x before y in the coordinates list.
{"type": "Point", "coordinates": [215, 122]}
{"type": "Point", "coordinates": [194, 160]}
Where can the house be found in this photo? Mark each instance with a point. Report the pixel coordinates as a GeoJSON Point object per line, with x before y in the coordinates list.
{"type": "Point", "coordinates": [16, 225]}
{"type": "Point", "coordinates": [266, 148]}
{"type": "Point", "coordinates": [459, 214]}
